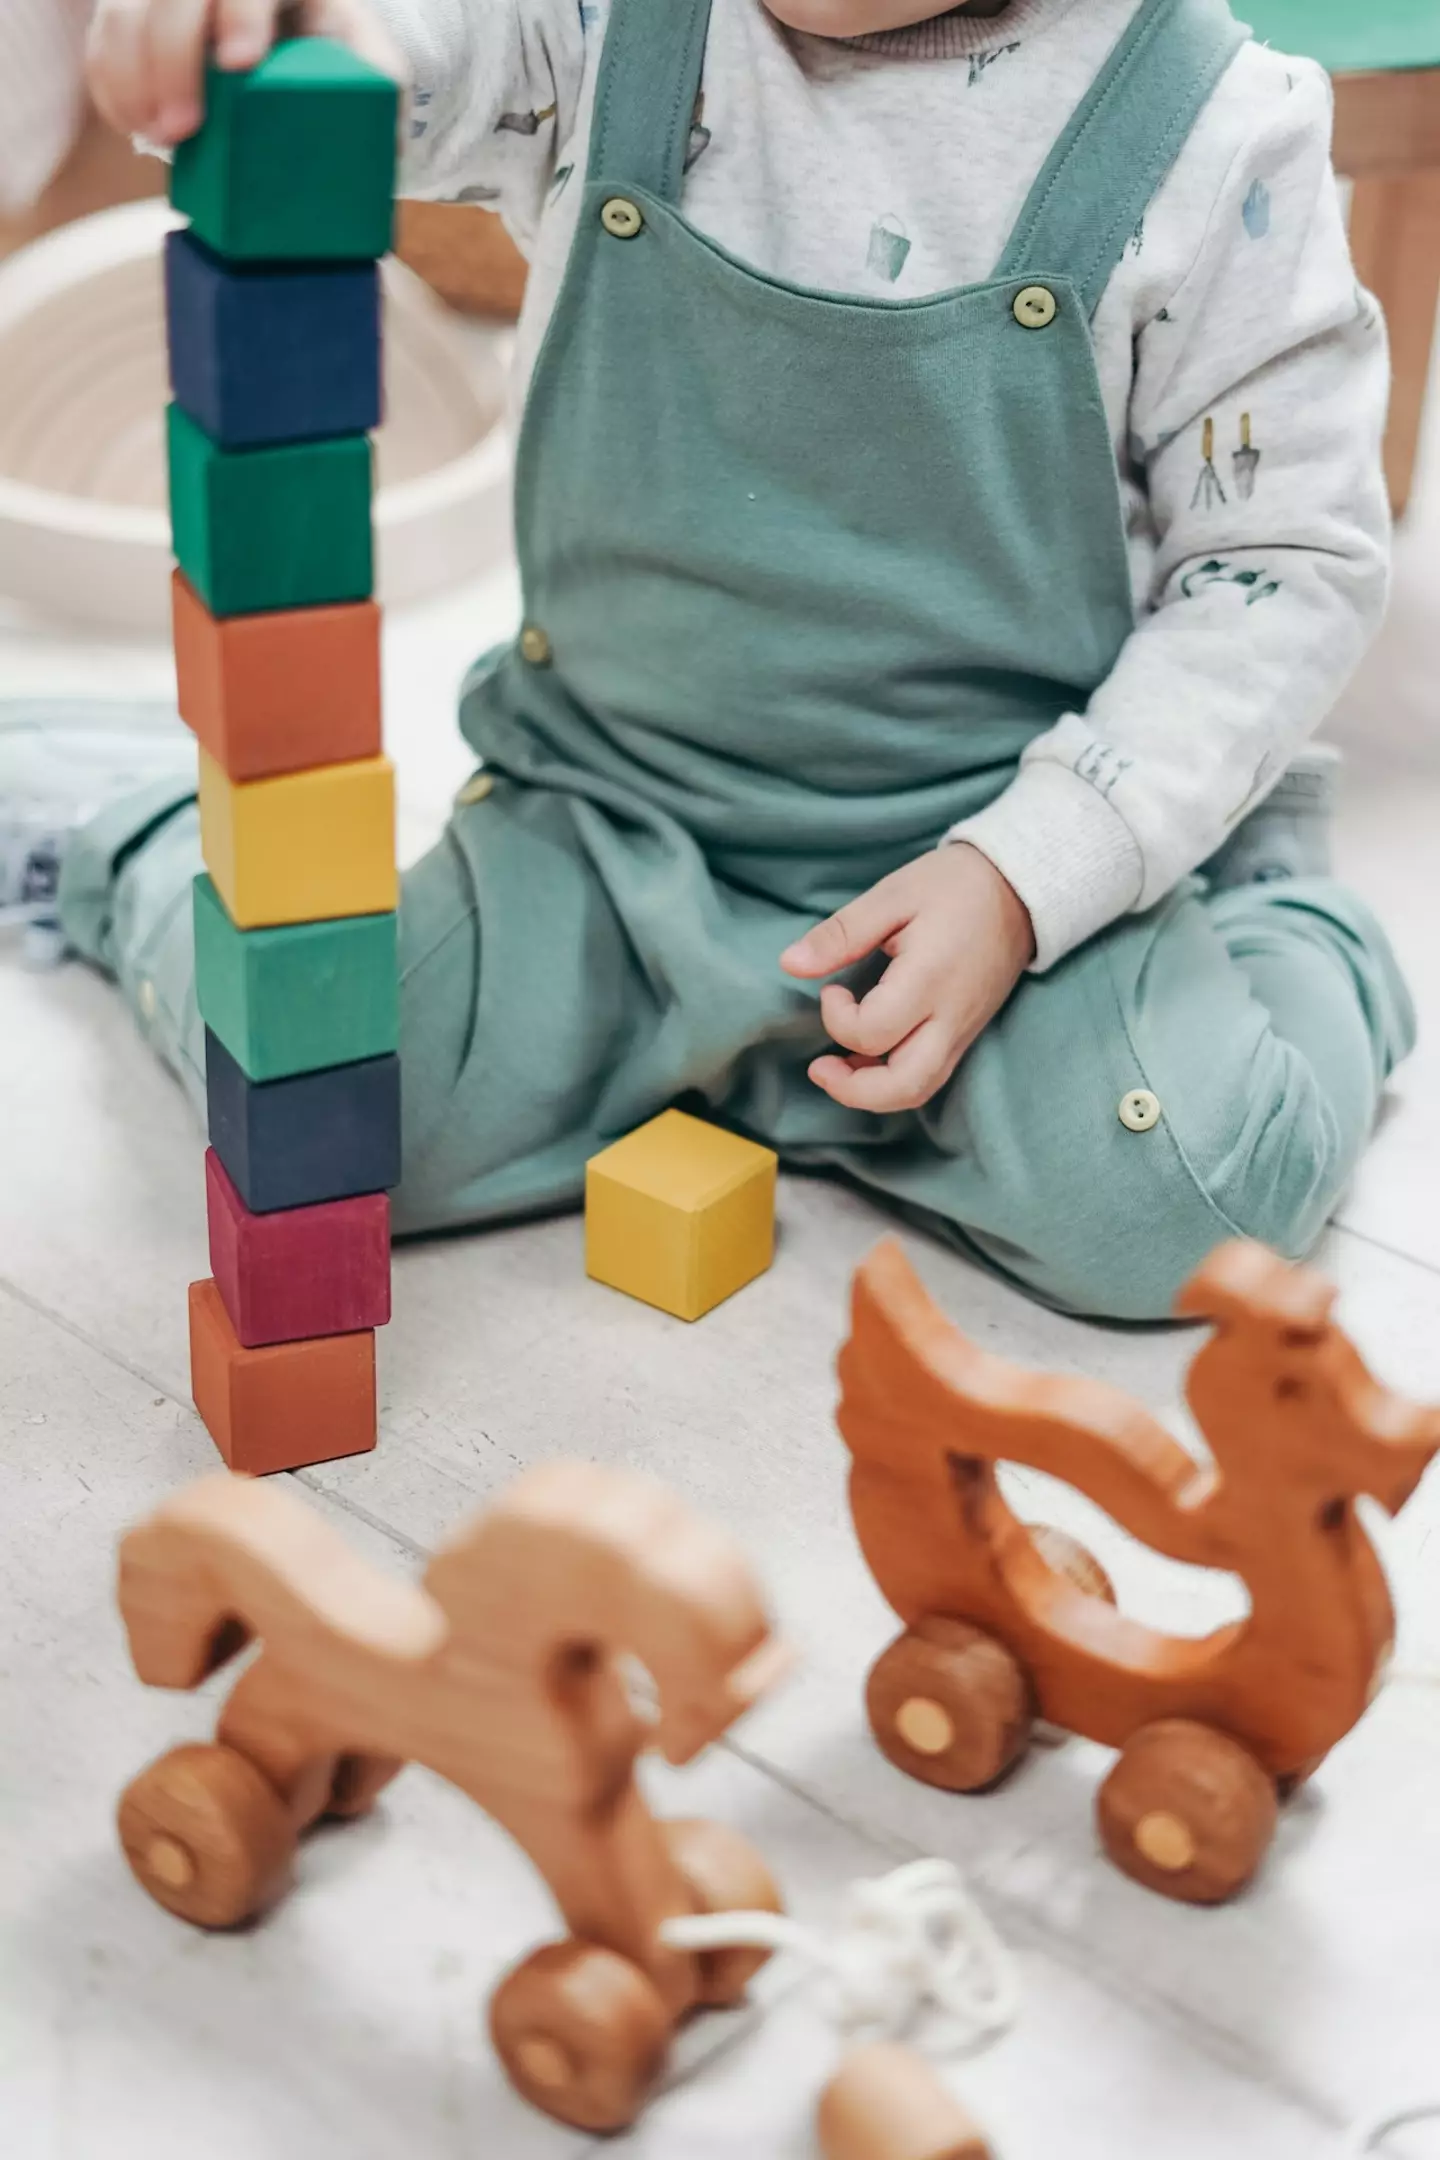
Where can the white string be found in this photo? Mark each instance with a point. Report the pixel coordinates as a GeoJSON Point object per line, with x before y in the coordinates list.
{"type": "Point", "coordinates": [906, 1942]}
{"type": "Point", "coordinates": [1371, 2136]}
{"type": "Point", "coordinates": [916, 1940]}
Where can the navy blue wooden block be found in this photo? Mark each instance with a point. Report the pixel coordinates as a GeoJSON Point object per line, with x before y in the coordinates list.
{"type": "Point", "coordinates": [272, 352]}
{"type": "Point", "coordinates": [310, 1137]}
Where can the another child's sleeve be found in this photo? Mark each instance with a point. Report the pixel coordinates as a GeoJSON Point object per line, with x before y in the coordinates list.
{"type": "Point", "coordinates": [495, 90]}
{"type": "Point", "coordinates": [1257, 421]}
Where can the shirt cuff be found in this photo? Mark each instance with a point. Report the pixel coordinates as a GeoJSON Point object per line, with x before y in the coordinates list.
{"type": "Point", "coordinates": [1069, 855]}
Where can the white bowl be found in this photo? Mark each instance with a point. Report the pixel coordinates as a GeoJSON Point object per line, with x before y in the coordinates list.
{"type": "Point", "coordinates": [83, 526]}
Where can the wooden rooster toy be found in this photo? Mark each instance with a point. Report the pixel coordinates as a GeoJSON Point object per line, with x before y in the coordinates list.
{"type": "Point", "coordinates": [1004, 1623]}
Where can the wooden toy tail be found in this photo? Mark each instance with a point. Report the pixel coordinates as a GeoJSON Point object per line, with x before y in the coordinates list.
{"type": "Point", "coordinates": [229, 1559]}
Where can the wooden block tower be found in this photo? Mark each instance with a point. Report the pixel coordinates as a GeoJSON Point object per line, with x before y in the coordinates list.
{"type": "Point", "coordinates": [273, 306]}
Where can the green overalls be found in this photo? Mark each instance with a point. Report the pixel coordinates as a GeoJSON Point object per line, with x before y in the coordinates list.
{"type": "Point", "coordinates": [803, 575]}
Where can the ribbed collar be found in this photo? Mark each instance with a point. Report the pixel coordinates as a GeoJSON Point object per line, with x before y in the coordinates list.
{"type": "Point", "coordinates": [962, 30]}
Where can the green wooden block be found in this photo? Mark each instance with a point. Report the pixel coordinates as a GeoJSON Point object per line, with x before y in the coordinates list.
{"type": "Point", "coordinates": [1350, 38]}
{"type": "Point", "coordinates": [285, 527]}
{"type": "Point", "coordinates": [298, 999]}
{"type": "Point", "coordinates": [295, 160]}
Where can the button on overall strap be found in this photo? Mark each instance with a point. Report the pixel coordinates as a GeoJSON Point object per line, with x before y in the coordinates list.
{"type": "Point", "coordinates": [645, 97]}
{"type": "Point", "coordinates": [1112, 159]}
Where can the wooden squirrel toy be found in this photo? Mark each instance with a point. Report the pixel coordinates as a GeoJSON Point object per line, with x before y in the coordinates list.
{"type": "Point", "coordinates": [1004, 1623]}
{"type": "Point", "coordinates": [503, 1673]}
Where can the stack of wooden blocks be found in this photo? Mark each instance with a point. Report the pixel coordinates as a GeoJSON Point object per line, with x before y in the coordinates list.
{"type": "Point", "coordinates": [273, 302]}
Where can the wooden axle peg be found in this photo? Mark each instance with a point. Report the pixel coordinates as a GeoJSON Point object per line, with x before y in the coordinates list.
{"type": "Point", "coordinates": [886, 2103]}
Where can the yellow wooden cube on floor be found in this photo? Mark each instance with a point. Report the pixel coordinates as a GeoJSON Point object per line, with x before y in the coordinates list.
{"type": "Point", "coordinates": [680, 1214]}
{"type": "Point", "coordinates": [303, 847]}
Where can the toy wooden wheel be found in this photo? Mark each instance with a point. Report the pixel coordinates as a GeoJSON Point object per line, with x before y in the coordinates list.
{"type": "Point", "coordinates": [1069, 1557]}
{"type": "Point", "coordinates": [723, 1873]}
{"type": "Point", "coordinates": [1187, 1811]}
{"type": "Point", "coordinates": [950, 1705]}
{"type": "Point", "coordinates": [583, 2034]}
{"type": "Point", "coordinates": [207, 1836]}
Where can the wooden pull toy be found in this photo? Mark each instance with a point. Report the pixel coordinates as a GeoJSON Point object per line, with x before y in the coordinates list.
{"type": "Point", "coordinates": [1004, 1623]}
{"type": "Point", "coordinates": [503, 1672]}
{"type": "Point", "coordinates": [886, 2103]}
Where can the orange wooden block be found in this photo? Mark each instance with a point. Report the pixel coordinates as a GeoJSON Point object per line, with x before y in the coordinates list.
{"type": "Point", "coordinates": [287, 1405]}
{"type": "Point", "coordinates": [281, 692]}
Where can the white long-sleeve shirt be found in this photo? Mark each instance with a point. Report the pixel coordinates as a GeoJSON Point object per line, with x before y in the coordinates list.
{"type": "Point", "coordinates": [1245, 373]}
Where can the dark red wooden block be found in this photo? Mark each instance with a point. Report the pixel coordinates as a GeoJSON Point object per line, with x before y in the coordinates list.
{"type": "Point", "coordinates": [304, 1271]}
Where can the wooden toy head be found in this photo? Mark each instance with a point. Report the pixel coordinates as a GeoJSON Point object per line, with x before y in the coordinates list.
{"type": "Point", "coordinates": [1282, 1394]}
{"type": "Point", "coordinates": [584, 1567]}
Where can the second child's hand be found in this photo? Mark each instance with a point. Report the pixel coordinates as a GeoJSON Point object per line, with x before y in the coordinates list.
{"type": "Point", "coordinates": [146, 58]}
{"type": "Point", "coordinates": [958, 939]}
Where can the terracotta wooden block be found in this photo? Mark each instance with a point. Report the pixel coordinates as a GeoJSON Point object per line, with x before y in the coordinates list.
{"type": "Point", "coordinates": [303, 847]}
{"type": "Point", "coordinates": [886, 2103]}
{"type": "Point", "coordinates": [300, 997]}
{"type": "Point", "coordinates": [281, 692]}
{"type": "Point", "coordinates": [304, 1271]}
{"type": "Point", "coordinates": [1003, 1622]}
{"type": "Point", "coordinates": [282, 1407]}
{"type": "Point", "coordinates": [680, 1214]}
{"type": "Point", "coordinates": [505, 1672]}
{"type": "Point", "coordinates": [314, 1137]}
{"type": "Point", "coordinates": [295, 160]}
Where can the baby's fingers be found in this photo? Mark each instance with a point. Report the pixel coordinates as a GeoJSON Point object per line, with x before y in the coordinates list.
{"type": "Point", "coordinates": [116, 61]}
{"type": "Point", "coordinates": [244, 31]}
{"type": "Point", "coordinates": [851, 933]}
{"type": "Point", "coordinates": [174, 64]}
{"type": "Point", "coordinates": [875, 1024]}
{"type": "Point", "coordinates": [906, 1081]}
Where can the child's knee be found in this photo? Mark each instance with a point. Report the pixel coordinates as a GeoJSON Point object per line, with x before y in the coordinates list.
{"type": "Point", "coordinates": [1276, 1173]}
{"type": "Point", "coordinates": [1122, 1214]}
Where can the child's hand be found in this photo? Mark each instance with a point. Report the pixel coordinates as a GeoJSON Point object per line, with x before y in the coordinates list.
{"type": "Point", "coordinates": [146, 57]}
{"type": "Point", "coordinates": [959, 939]}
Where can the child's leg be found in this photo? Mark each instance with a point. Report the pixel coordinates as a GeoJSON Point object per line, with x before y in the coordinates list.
{"type": "Point", "coordinates": [523, 1051]}
{"type": "Point", "coordinates": [124, 903]}
{"type": "Point", "coordinates": [1207, 1071]}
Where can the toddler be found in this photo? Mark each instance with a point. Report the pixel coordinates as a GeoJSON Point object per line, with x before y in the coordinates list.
{"type": "Point", "coordinates": [948, 499]}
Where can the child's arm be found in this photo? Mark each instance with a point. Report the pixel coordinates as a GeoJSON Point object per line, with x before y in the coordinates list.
{"type": "Point", "coordinates": [1259, 402]}
{"type": "Point", "coordinates": [494, 84]}
{"type": "Point", "coordinates": [1258, 412]}
{"type": "Point", "coordinates": [495, 91]}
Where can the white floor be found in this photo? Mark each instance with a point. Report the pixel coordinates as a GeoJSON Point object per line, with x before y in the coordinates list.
{"type": "Point", "coordinates": [348, 2026]}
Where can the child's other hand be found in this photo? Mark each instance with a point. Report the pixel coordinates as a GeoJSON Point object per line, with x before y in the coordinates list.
{"type": "Point", "coordinates": [958, 938]}
{"type": "Point", "coordinates": [146, 57]}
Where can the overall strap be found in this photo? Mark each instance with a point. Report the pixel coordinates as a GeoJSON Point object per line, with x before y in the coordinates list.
{"type": "Point", "coordinates": [645, 96]}
{"type": "Point", "coordinates": [1107, 167]}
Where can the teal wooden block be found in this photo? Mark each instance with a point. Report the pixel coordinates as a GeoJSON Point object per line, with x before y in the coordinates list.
{"type": "Point", "coordinates": [285, 527]}
{"type": "Point", "coordinates": [297, 999]}
{"type": "Point", "coordinates": [1350, 39]}
{"type": "Point", "coordinates": [295, 160]}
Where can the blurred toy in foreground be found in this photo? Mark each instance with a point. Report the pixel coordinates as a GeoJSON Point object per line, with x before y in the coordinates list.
{"type": "Point", "coordinates": [886, 2103]}
{"type": "Point", "coordinates": [504, 1673]}
{"type": "Point", "coordinates": [1004, 1624]}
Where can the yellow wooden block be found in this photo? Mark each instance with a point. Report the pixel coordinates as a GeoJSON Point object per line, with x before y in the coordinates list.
{"type": "Point", "coordinates": [680, 1214]}
{"type": "Point", "coordinates": [302, 847]}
